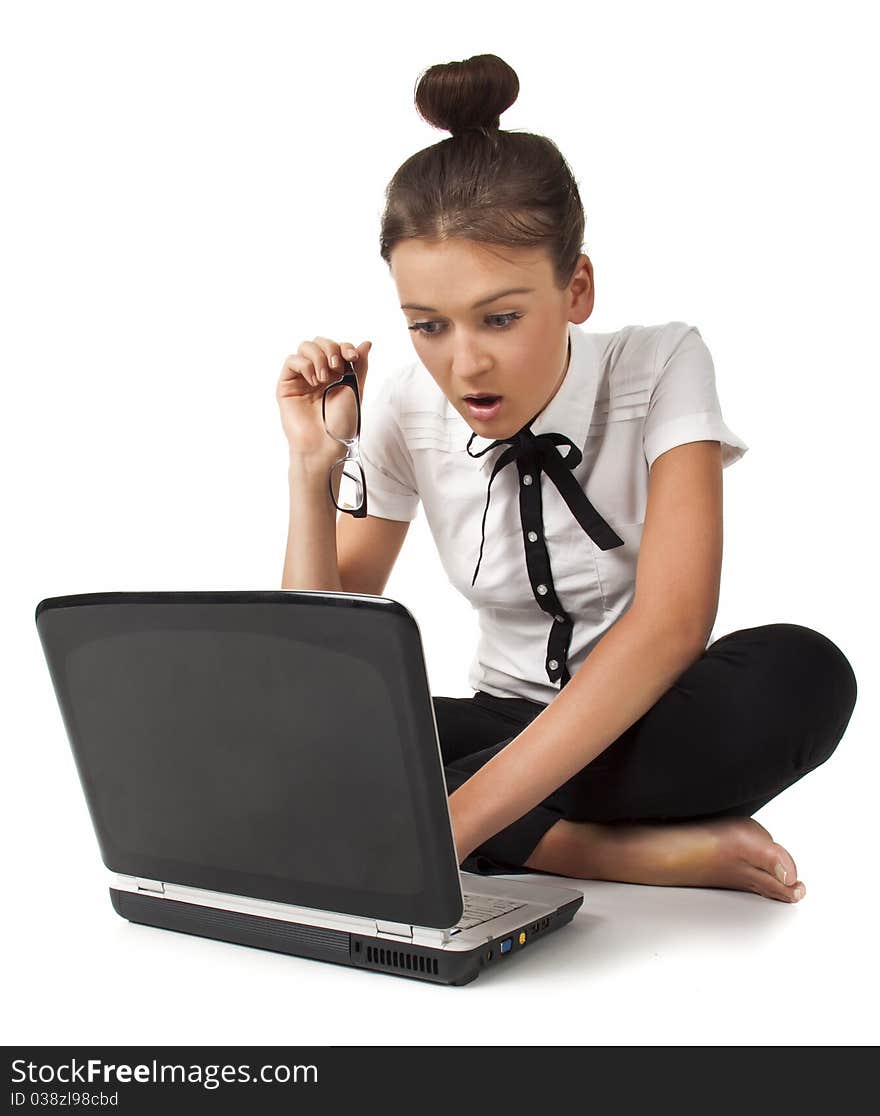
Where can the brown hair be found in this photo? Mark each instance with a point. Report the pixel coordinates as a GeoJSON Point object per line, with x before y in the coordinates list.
{"type": "Point", "coordinates": [510, 189]}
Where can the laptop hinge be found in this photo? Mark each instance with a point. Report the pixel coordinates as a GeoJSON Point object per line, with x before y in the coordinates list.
{"type": "Point", "coordinates": [394, 930]}
{"type": "Point", "coordinates": [155, 887]}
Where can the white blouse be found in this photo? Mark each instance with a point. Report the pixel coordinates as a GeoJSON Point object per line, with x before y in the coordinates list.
{"type": "Point", "coordinates": [627, 397]}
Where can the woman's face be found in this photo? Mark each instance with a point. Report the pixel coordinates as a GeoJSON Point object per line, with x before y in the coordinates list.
{"type": "Point", "coordinates": [473, 338]}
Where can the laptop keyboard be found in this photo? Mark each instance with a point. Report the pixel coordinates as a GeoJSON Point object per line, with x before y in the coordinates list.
{"type": "Point", "coordinates": [480, 908]}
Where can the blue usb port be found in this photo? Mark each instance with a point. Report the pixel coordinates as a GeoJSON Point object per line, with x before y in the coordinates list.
{"type": "Point", "coordinates": [507, 945]}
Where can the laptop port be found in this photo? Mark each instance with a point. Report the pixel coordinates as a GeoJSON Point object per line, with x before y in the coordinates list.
{"type": "Point", "coordinates": [507, 945]}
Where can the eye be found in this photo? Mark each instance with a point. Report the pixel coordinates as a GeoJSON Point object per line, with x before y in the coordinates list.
{"type": "Point", "coordinates": [505, 320]}
{"type": "Point", "coordinates": [417, 326]}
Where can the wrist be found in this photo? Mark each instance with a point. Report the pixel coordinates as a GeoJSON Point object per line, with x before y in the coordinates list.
{"type": "Point", "coordinates": [303, 467]}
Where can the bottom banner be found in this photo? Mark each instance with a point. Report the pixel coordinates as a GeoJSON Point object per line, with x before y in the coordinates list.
{"type": "Point", "coordinates": [136, 1079]}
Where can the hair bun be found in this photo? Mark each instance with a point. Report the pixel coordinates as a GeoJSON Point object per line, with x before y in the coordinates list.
{"type": "Point", "coordinates": [460, 96]}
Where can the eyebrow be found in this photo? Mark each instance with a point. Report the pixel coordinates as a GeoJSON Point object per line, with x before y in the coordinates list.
{"type": "Point", "coordinates": [482, 302]}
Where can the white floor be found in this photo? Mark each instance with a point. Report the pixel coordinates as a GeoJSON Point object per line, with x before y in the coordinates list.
{"type": "Point", "coordinates": [638, 965]}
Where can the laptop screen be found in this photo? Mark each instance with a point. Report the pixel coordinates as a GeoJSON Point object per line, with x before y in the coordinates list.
{"type": "Point", "coordinates": [276, 745]}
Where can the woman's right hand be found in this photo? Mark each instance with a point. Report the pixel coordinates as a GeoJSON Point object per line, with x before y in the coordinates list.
{"type": "Point", "coordinates": [300, 392]}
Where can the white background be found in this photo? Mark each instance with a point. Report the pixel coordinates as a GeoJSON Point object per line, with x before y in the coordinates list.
{"type": "Point", "coordinates": [192, 189]}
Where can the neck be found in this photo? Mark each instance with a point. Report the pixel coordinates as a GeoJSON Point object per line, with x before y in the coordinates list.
{"type": "Point", "coordinates": [558, 385]}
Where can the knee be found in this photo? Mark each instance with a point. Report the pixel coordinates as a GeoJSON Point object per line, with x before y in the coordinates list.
{"type": "Point", "coordinates": [818, 663]}
{"type": "Point", "coordinates": [818, 679]}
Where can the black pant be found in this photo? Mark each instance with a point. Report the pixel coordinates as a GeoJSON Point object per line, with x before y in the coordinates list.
{"type": "Point", "coordinates": [759, 709]}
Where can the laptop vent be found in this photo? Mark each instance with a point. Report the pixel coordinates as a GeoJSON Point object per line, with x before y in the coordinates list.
{"type": "Point", "coordinates": [398, 959]}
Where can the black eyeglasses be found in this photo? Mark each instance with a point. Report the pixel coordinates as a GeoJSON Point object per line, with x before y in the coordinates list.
{"type": "Point", "coordinates": [344, 424]}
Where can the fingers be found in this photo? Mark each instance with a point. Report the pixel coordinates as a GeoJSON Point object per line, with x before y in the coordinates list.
{"type": "Point", "coordinates": [297, 376]}
{"type": "Point", "coordinates": [320, 361]}
{"type": "Point", "coordinates": [319, 352]}
{"type": "Point", "coordinates": [331, 355]}
{"type": "Point", "coordinates": [337, 352]}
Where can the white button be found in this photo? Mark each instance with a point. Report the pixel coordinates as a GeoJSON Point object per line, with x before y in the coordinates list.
{"type": "Point", "coordinates": [560, 619]}
{"type": "Point", "coordinates": [553, 664]}
{"type": "Point", "coordinates": [542, 589]}
{"type": "Point", "coordinates": [527, 479]}
{"type": "Point", "coordinates": [533, 536]}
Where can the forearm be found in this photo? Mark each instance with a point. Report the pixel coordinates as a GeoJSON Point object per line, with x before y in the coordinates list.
{"type": "Point", "coordinates": [310, 561]}
{"type": "Point", "coordinates": [628, 670]}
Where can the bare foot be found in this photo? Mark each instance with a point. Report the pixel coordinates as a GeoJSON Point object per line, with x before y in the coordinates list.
{"type": "Point", "coordinates": [736, 853]}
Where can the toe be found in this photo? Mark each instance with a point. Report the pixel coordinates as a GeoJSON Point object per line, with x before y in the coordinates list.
{"type": "Point", "coordinates": [779, 863]}
{"type": "Point", "coordinates": [766, 884]}
{"type": "Point", "coordinates": [772, 870]}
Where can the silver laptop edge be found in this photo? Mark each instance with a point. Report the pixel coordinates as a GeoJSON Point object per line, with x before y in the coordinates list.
{"type": "Point", "coordinates": [537, 902]}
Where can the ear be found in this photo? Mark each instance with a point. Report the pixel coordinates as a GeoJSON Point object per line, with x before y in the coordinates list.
{"type": "Point", "coordinates": [581, 291]}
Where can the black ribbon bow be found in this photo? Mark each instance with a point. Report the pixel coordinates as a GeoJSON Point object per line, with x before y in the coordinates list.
{"type": "Point", "coordinates": [541, 452]}
{"type": "Point", "coordinates": [533, 453]}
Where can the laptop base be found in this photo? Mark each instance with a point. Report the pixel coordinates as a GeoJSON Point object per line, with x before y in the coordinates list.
{"type": "Point", "coordinates": [437, 966]}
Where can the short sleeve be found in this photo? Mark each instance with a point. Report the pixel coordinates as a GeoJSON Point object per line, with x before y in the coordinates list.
{"type": "Point", "coordinates": [387, 464]}
{"type": "Point", "coordinates": [684, 404]}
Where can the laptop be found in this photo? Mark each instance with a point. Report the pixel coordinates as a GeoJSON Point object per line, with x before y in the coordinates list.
{"type": "Point", "coordinates": [263, 768]}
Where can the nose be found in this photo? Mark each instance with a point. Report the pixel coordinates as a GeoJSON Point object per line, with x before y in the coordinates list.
{"type": "Point", "coordinates": [469, 361]}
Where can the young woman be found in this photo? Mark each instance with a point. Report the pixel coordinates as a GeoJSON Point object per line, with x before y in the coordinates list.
{"type": "Point", "coordinates": [579, 508]}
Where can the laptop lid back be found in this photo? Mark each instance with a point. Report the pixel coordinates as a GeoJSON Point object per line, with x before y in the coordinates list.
{"type": "Point", "coordinates": [280, 745]}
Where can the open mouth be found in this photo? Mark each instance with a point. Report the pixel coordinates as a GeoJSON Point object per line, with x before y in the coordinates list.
{"type": "Point", "coordinates": [483, 406]}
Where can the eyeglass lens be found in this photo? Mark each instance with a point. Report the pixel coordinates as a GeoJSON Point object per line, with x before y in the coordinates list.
{"type": "Point", "coordinates": [351, 489]}
{"type": "Point", "coordinates": [341, 411]}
